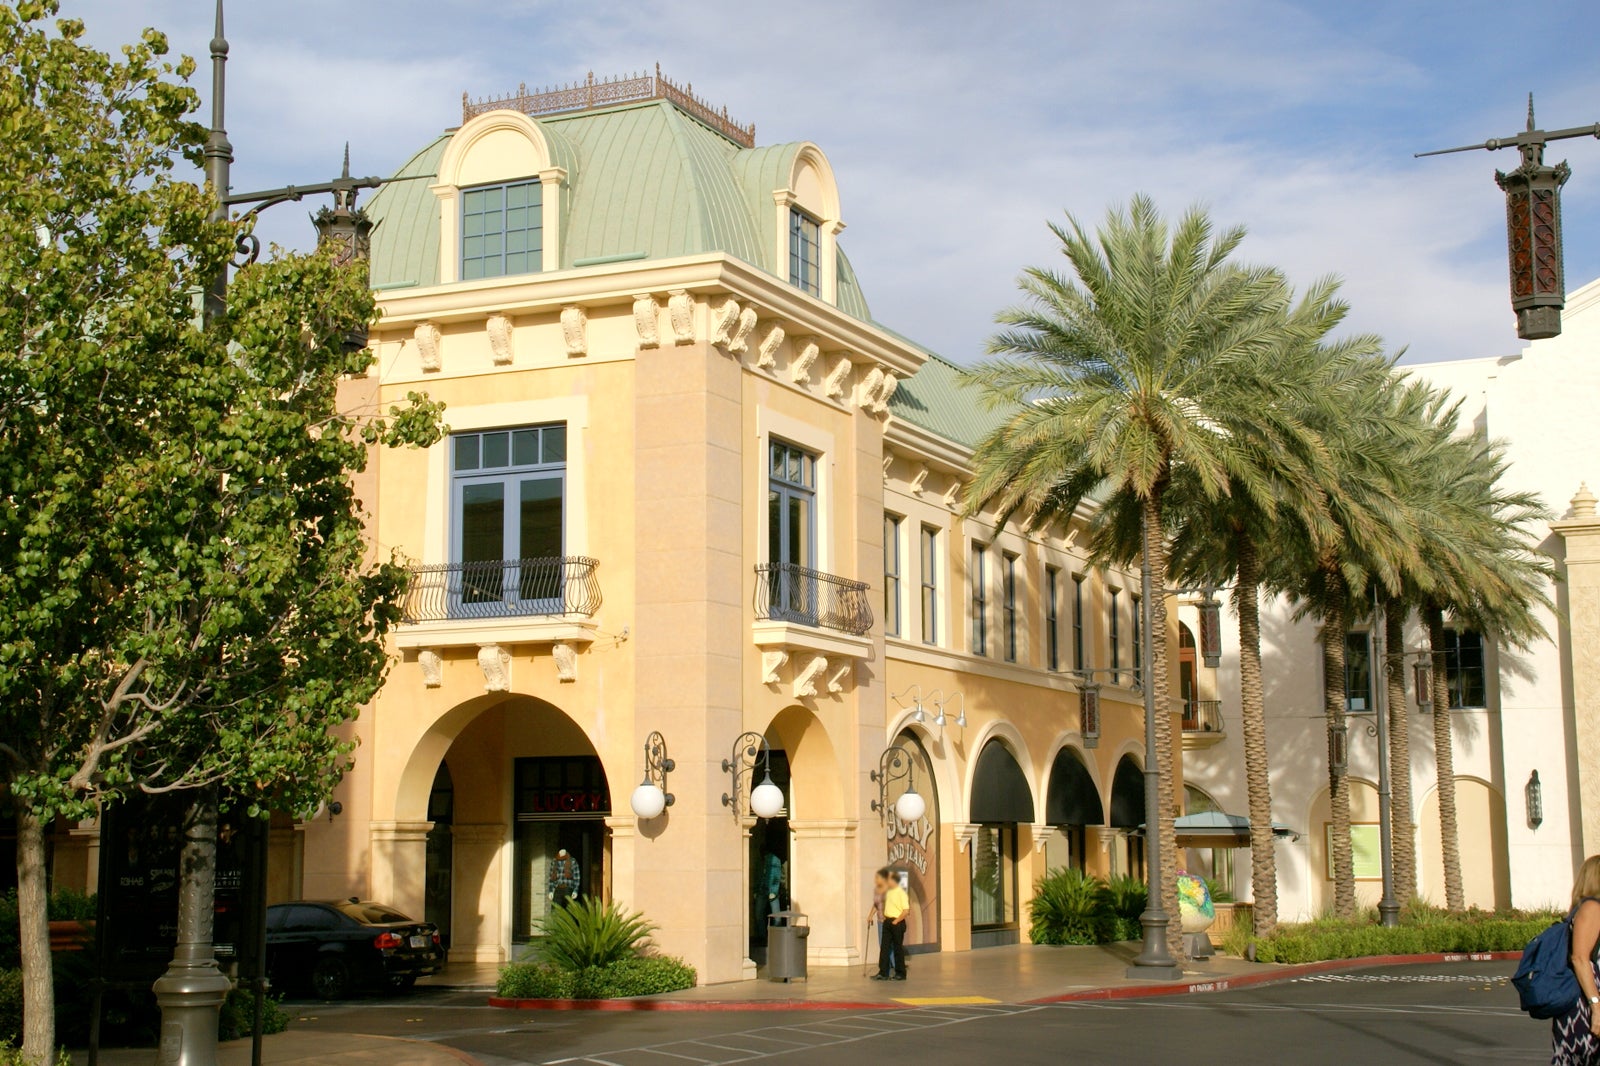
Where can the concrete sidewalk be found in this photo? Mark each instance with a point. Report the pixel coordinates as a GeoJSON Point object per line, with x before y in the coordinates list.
{"type": "Point", "coordinates": [307, 1047]}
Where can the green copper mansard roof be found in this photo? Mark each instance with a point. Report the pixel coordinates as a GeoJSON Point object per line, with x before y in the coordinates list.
{"type": "Point", "coordinates": [642, 178]}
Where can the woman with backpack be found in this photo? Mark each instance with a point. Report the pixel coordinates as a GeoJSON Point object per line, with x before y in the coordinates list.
{"type": "Point", "coordinates": [1576, 1034]}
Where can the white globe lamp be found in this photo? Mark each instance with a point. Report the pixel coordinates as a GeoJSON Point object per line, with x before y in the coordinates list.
{"type": "Point", "coordinates": [910, 807]}
{"type": "Point", "coordinates": [766, 799]}
{"type": "Point", "coordinates": [648, 801]}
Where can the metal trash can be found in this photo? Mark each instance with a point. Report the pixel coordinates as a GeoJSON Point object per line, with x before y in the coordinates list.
{"type": "Point", "coordinates": [786, 946]}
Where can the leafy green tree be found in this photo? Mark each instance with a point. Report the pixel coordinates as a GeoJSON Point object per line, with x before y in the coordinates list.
{"type": "Point", "coordinates": [1116, 379]}
{"type": "Point", "coordinates": [186, 597]}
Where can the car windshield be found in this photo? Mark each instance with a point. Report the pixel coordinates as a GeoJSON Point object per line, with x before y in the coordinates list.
{"type": "Point", "coordinates": [371, 913]}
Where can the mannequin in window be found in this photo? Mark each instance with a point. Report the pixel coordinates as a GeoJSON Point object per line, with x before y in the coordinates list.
{"type": "Point", "coordinates": [772, 880]}
{"type": "Point", "coordinates": [563, 879]}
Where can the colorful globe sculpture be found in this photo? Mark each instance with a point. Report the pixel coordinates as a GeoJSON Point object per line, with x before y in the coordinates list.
{"type": "Point", "coordinates": [1194, 904]}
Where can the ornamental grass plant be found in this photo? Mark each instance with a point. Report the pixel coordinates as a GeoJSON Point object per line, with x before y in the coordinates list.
{"type": "Point", "coordinates": [591, 949]}
{"type": "Point", "coordinates": [1423, 930]}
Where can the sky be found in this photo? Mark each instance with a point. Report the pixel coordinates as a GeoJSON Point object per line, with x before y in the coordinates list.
{"type": "Point", "coordinates": [958, 131]}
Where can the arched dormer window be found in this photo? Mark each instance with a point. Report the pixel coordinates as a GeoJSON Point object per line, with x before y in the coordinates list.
{"type": "Point", "coordinates": [499, 200]}
{"type": "Point", "coordinates": [809, 225]}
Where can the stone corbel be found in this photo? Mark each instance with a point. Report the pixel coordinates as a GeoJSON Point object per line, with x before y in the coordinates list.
{"type": "Point", "coordinates": [566, 657]}
{"type": "Point", "coordinates": [501, 348]}
{"type": "Point", "coordinates": [800, 369]}
{"type": "Point", "coordinates": [575, 330]}
{"type": "Point", "coordinates": [888, 461]}
{"type": "Point", "coordinates": [645, 313]}
{"type": "Point", "coordinates": [837, 679]}
{"type": "Point", "coordinates": [495, 662]}
{"type": "Point", "coordinates": [771, 662]}
{"type": "Point", "coordinates": [952, 495]}
{"type": "Point", "coordinates": [869, 388]}
{"type": "Point", "coordinates": [432, 668]}
{"type": "Point", "coordinates": [879, 401]}
{"type": "Point", "coordinates": [429, 346]}
{"type": "Point", "coordinates": [680, 309]}
{"type": "Point", "coordinates": [917, 480]}
{"type": "Point", "coordinates": [724, 322]}
{"type": "Point", "coordinates": [740, 341]}
{"type": "Point", "coordinates": [838, 378]}
{"type": "Point", "coordinates": [1042, 835]}
{"type": "Point", "coordinates": [965, 833]}
{"type": "Point", "coordinates": [768, 353]}
{"type": "Point", "coordinates": [805, 682]}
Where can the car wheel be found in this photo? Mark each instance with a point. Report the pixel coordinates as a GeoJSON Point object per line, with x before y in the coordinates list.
{"type": "Point", "coordinates": [330, 979]}
{"type": "Point", "coordinates": [403, 983]}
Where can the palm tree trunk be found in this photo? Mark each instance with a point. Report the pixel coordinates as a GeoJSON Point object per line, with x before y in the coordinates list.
{"type": "Point", "coordinates": [1333, 636]}
{"type": "Point", "coordinates": [1445, 758]}
{"type": "Point", "coordinates": [33, 907]}
{"type": "Point", "coordinates": [1253, 722]}
{"type": "Point", "coordinates": [1402, 829]}
{"type": "Point", "coordinates": [1155, 547]}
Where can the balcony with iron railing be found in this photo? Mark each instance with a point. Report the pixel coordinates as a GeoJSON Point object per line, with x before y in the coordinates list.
{"type": "Point", "coordinates": [819, 620]}
{"type": "Point", "coordinates": [1202, 723]}
{"type": "Point", "coordinates": [502, 600]}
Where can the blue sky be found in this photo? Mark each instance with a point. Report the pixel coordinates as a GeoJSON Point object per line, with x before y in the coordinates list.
{"type": "Point", "coordinates": [957, 130]}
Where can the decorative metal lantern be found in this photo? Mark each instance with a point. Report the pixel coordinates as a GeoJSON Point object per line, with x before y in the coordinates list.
{"type": "Point", "coordinates": [1210, 629]}
{"type": "Point", "coordinates": [1339, 749]}
{"type": "Point", "coordinates": [1422, 677]}
{"type": "Point", "coordinates": [1089, 714]}
{"type": "Point", "coordinates": [344, 225]}
{"type": "Point", "coordinates": [1533, 792]}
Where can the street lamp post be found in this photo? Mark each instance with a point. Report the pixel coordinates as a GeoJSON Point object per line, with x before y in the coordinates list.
{"type": "Point", "coordinates": [191, 991]}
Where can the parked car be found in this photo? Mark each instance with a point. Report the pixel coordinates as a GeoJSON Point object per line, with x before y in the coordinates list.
{"type": "Point", "coordinates": [336, 946]}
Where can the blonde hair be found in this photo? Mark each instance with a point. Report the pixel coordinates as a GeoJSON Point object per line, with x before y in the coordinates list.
{"type": "Point", "coordinates": [1588, 883]}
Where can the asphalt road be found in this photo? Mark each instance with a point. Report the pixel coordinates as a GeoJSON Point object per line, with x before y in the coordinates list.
{"type": "Point", "coordinates": [1457, 1014]}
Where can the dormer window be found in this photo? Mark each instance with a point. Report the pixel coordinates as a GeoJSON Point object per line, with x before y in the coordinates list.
{"type": "Point", "coordinates": [805, 252]}
{"type": "Point", "coordinates": [502, 229]}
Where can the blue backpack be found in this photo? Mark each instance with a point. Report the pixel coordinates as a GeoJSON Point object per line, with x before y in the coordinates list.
{"type": "Point", "coordinates": [1544, 979]}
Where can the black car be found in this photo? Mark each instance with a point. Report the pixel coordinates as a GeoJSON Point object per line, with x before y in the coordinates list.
{"type": "Point", "coordinates": [337, 946]}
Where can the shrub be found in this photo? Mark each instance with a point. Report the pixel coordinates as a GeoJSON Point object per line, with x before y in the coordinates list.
{"type": "Point", "coordinates": [64, 905]}
{"type": "Point", "coordinates": [1125, 899]}
{"type": "Point", "coordinates": [10, 1056]}
{"type": "Point", "coordinates": [1216, 891]}
{"type": "Point", "coordinates": [1067, 908]}
{"type": "Point", "coordinates": [10, 1006]}
{"type": "Point", "coordinates": [239, 1015]}
{"type": "Point", "coordinates": [1426, 931]}
{"type": "Point", "coordinates": [588, 932]}
{"type": "Point", "coordinates": [646, 975]}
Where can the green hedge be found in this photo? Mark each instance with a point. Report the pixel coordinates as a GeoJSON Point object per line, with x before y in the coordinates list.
{"type": "Point", "coordinates": [1070, 907]}
{"type": "Point", "coordinates": [10, 1006]}
{"type": "Point", "coordinates": [1423, 931]}
{"type": "Point", "coordinates": [646, 975]}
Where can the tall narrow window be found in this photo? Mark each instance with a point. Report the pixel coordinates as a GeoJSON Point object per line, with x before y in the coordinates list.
{"type": "Point", "coordinates": [804, 252]}
{"type": "Point", "coordinates": [1357, 672]}
{"type": "Point", "coordinates": [979, 579]}
{"type": "Point", "coordinates": [1137, 606]}
{"type": "Point", "coordinates": [1465, 673]}
{"type": "Point", "coordinates": [891, 574]}
{"type": "Point", "coordinates": [507, 493]}
{"type": "Point", "coordinates": [1077, 623]}
{"type": "Point", "coordinates": [930, 585]}
{"type": "Point", "coordinates": [502, 230]}
{"type": "Point", "coordinates": [1116, 636]}
{"type": "Point", "coordinates": [791, 533]}
{"type": "Point", "coordinates": [1052, 617]}
{"type": "Point", "coordinates": [1008, 604]}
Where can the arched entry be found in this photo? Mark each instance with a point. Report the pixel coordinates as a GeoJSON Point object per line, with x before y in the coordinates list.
{"type": "Point", "coordinates": [1001, 800]}
{"type": "Point", "coordinates": [1481, 830]}
{"type": "Point", "coordinates": [441, 853]}
{"type": "Point", "coordinates": [1072, 803]}
{"type": "Point", "coordinates": [914, 846]}
{"type": "Point", "coordinates": [1127, 815]}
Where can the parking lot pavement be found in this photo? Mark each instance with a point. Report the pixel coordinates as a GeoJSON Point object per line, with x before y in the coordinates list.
{"type": "Point", "coordinates": [1456, 1013]}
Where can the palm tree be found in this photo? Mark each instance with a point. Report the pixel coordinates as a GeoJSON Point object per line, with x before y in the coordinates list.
{"type": "Point", "coordinates": [1403, 831]}
{"type": "Point", "coordinates": [1117, 379]}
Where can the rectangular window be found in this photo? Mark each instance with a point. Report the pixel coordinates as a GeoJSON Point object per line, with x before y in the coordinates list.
{"type": "Point", "coordinates": [1464, 668]}
{"type": "Point", "coordinates": [891, 574]}
{"type": "Point", "coordinates": [930, 585]}
{"type": "Point", "coordinates": [502, 230]}
{"type": "Point", "coordinates": [1008, 604]}
{"type": "Point", "coordinates": [1052, 617]}
{"type": "Point", "coordinates": [804, 252]}
{"type": "Point", "coordinates": [993, 858]}
{"type": "Point", "coordinates": [979, 579]}
{"type": "Point", "coordinates": [1357, 672]}
{"type": "Point", "coordinates": [507, 496]}
{"type": "Point", "coordinates": [1136, 605]}
{"type": "Point", "coordinates": [791, 533]}
{"type": "Point", "coordinates": [1077, 623]}
{"type": "Point", "coordinates": [1116, 636]}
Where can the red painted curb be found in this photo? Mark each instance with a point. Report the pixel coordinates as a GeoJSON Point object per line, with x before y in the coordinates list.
{"type": "Point", "coordinates": [1287, 973]}
{"type": "Point", "coordinates": [1176, 988]}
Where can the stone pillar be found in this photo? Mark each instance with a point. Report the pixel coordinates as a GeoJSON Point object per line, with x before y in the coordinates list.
{"type": "Point", "coordinates": [477, 922]}
{"type": "Point", "coordinates": [623, 830]}
{"type": "Point", "coordinates": [1581, 532]}
{"type": "Point", "coordinates": [399, 864]}
{"type": "Point", "coordinates": [821, 885]}
{"type": "Point", "coordinates": [1098, 842]}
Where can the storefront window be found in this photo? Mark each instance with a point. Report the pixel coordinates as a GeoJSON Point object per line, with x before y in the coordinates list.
{"type": "Point", "coordinates": [994, 878]}
{"type": "Point", "coordinates": [561, 805]}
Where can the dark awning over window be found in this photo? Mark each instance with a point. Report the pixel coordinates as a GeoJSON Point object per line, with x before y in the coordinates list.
{"type": "Point", "coordinates": [1127, 795]}
{"type": "Point", "coordinates": [999, 789]}
{"type": "Point", "coordinates": [1072, 798]}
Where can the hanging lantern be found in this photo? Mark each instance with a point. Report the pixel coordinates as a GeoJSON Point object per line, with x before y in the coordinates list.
{"type": "Point", "coordinates": [1339, 749]}
{"type": "Point", "coordinates": [1089, 714]}
{"type": "Point", "coordinates": [1422, 677]}
{"type": "Point", "coordinates": [1211, 629]}
{"type": "Point", "coordinates": [1533, 792]}
{"type": "Point", "coordinates": [1533, 240]}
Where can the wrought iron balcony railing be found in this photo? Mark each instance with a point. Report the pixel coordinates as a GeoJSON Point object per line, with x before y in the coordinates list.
{"type": "Point", "coordinates": [786, 592]}
{"type": "Point", "coordinates": [503, 588]}
{"type": "Point", "coordinates": [1202, 716]}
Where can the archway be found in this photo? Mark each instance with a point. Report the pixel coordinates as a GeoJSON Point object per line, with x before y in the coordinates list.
{"type": "Point", "coordinates": [914, 846]}
{"type": "Point", "coordinates": [1072, 804]}
{"type": "Point", "coordinates": [1001, 800]}
{"type": "Point", "coordinates": [1127, 815]}
{"type": "Point", "coordinates": [1481, 830]}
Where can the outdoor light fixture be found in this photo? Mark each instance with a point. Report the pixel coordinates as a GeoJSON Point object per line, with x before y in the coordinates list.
{"type": "Point", "coordinates": [941, 701]}
{"type": "Point", "coordinates": [1533, 792]}
{"type": "Point", "coordinates": [1422, 677]}
{"type": "Point", "coordinates": [766, 799]}
{"type": "Point", "coordinates": [1089, 714]}
{"type": "Point", "coordinates": [893, 764]}
{"type": "Point", "coordinates": [1339, 749]}
{"type": "Point", "coordinates": [915, 692]}
{"type": "Point", "coordinates": [652, 797]}
{"type": "Point", "coordinates": [1210, 628]}
{"type": "Point", "coordinates": [1533, 225]}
